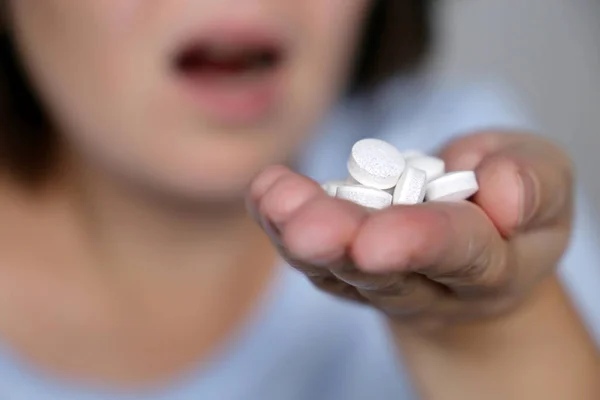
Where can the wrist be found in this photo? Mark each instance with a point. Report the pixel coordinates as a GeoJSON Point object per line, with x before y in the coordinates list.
{"type": "Point", "coordinates": [529, 316]}
{"type": "Point", "coordinates": [504, 355]}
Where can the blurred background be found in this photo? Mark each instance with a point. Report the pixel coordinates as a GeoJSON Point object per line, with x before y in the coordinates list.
{"type": "Point", "coordinates": [548, 50]}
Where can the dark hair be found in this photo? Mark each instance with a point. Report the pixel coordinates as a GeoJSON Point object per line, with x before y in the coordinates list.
{"type": "Point", "coordinates": [396, 37]}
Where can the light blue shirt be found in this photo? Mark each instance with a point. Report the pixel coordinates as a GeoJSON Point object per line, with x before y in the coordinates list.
{"type": "Point", "coordinates": [305, 345]}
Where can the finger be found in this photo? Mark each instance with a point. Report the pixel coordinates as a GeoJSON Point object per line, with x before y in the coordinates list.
{"type": "Point", "coordinates": [322, 230]}
{"type": "Point", "coordinates": [330, 284]}
{"type": "Point", "coordinates": [280, 194]}
{"type": "Point", "coordinates": [525, 180]}
{"type": "Point", "coordinates": [466, 152]}
{"type": "Point", "coordinates": [391, 282]}
{"type": "Point", "coordinates": [287, 192]}
{"type": "Point", "coordinates": [265, 180]}
{"type": "Point", "coordinates": [261, 183]}
{"type": "Point", "coordinates": [454, 244]}
{"type": "Point", "coordinates": [413, 294]}
{"type": "Point", "coordinates": [524, 187]}
{"type": "Point", "coordinates": [396, 293]}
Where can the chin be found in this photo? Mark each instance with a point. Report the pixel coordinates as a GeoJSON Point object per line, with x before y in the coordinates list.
{"type": "Point", "coordinates": [223, 183]}
{"type": "Point", "coordinates": [209, 168]}
{"type": "Point", "coordinates": [219, 174]}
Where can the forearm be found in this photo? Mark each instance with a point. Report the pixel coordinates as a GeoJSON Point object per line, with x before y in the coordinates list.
{"type": "Point", "coordinates": [541, 351]}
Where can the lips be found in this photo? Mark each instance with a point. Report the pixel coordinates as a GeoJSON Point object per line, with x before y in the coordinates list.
{"type": "Point", "coordinates": [233, 75]}
{"type": "Point", "coordinates": [226, 61]}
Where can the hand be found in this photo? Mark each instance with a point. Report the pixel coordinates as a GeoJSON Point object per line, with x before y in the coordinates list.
{"type": "Point", "coordinates": [432, 264]}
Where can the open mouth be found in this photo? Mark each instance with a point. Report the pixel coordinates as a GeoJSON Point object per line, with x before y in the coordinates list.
{"type": "Point", "coordinates": [232, 77]}
{"type": "Point", "coordinates": [228, 61]}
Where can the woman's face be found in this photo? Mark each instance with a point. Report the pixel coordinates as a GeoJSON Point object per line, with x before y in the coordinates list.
{"type": "Point", "coordinates": [189, 97]}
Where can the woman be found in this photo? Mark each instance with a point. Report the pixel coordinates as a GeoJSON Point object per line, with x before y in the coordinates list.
{"type": "Point", "coordinates": [130, 266]}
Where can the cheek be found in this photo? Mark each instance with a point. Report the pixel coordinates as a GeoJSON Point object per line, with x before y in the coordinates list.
{"type": "Point", "coordinates": [329, 47]}
{"type": "Point", "coordinates": [336, 27]}
{"type": "Point", "coordinates": [81, 56]}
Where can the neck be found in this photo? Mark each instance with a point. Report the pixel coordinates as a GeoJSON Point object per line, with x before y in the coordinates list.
{"type": "Point", "coordinates": [129, 234]}
{"type": "Point", "coordinates": [145, 273]}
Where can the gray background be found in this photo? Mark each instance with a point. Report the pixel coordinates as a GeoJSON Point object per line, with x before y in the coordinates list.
{"type": "Point", "coordinates": [549, 50]}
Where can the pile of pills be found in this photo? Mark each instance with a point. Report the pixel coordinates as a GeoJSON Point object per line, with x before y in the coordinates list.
{"type": "Point", "coordinates": [380, 176]}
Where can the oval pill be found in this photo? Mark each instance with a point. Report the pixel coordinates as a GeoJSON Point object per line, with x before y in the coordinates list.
{"type": "Point", "coordinates": [331, 187]}
{"type": "Point", "coordinates": [375, 163]}
{"type": "Point", "coordinates": [411, 187]}
{"type": "Point", "coordinates": [434, 167]}
{"type": "Point", "coordinates": [365, 196]}
{"type": "Point", "coordinates": [454, 186]}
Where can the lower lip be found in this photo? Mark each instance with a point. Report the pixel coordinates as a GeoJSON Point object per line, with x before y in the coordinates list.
{"type": "Point", "coordinates": [231, 102]}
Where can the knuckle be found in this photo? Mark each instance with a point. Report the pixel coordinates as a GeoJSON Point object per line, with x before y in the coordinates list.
{"type": "Point", "coordinates": [496, 274]}
{"type": "Point", "coordinates": [411, 298]}
{"type": "Point", "coordinates": [265, 180]}
{"type": "Point", "coordinates": [389, 283]}
{"type": "Point", "coordinates": [330, 285]}
{"type": "Point", "coordinates": [489, 270]}
{"type": "Point", "coordinates": [301, 265]}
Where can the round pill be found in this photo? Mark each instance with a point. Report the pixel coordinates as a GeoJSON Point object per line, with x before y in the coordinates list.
{"type": "Point", "coordinates": [375, 163]}
{"type": "Point", "coordinates": [412, 153]}
{"type": "Point", "coordinates": [454, 186]}
{"type": "Point", "coordinates": [332, 186]}
{"type": "Point", "coordinates": [434, 167]}
{"type": "Point", "coordinates": [365, 196]}
{"type": "Point", "coordinates": [411, 187]}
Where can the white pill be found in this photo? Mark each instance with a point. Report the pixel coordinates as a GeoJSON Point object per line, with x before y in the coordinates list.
{"type": "Point", "coordinates": [375, 163]}
{"type": "Point", "coordinates": [331, 186]}
{"type": "Point", "coordinates": [454, 186]}
{"type": "Point", "coordinates": [411, 187]}
{"type": "Point", "coordinates": [412, 153]}
{"type": "Point", "coordinates": [351, 181]}
{"type": "Point", "coordinates": [365, 196]}
{"type": "Point", "coordinates": [434, 167]}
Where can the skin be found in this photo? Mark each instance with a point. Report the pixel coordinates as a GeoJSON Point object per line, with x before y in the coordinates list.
{"type": "Point", "coordinates": [136, 238]}
{"type": "Point", "coordinates": [134, 124]}
{"type": "Point", "coordinates": [469, 288]}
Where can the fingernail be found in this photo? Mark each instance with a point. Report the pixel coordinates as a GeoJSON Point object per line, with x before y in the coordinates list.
{"type": "Point", "coordinates": [251, 209]}
{"type": "Point", "coordinates": [270, 228]}
{"type": "Point", "coordinates": [528, 196]}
